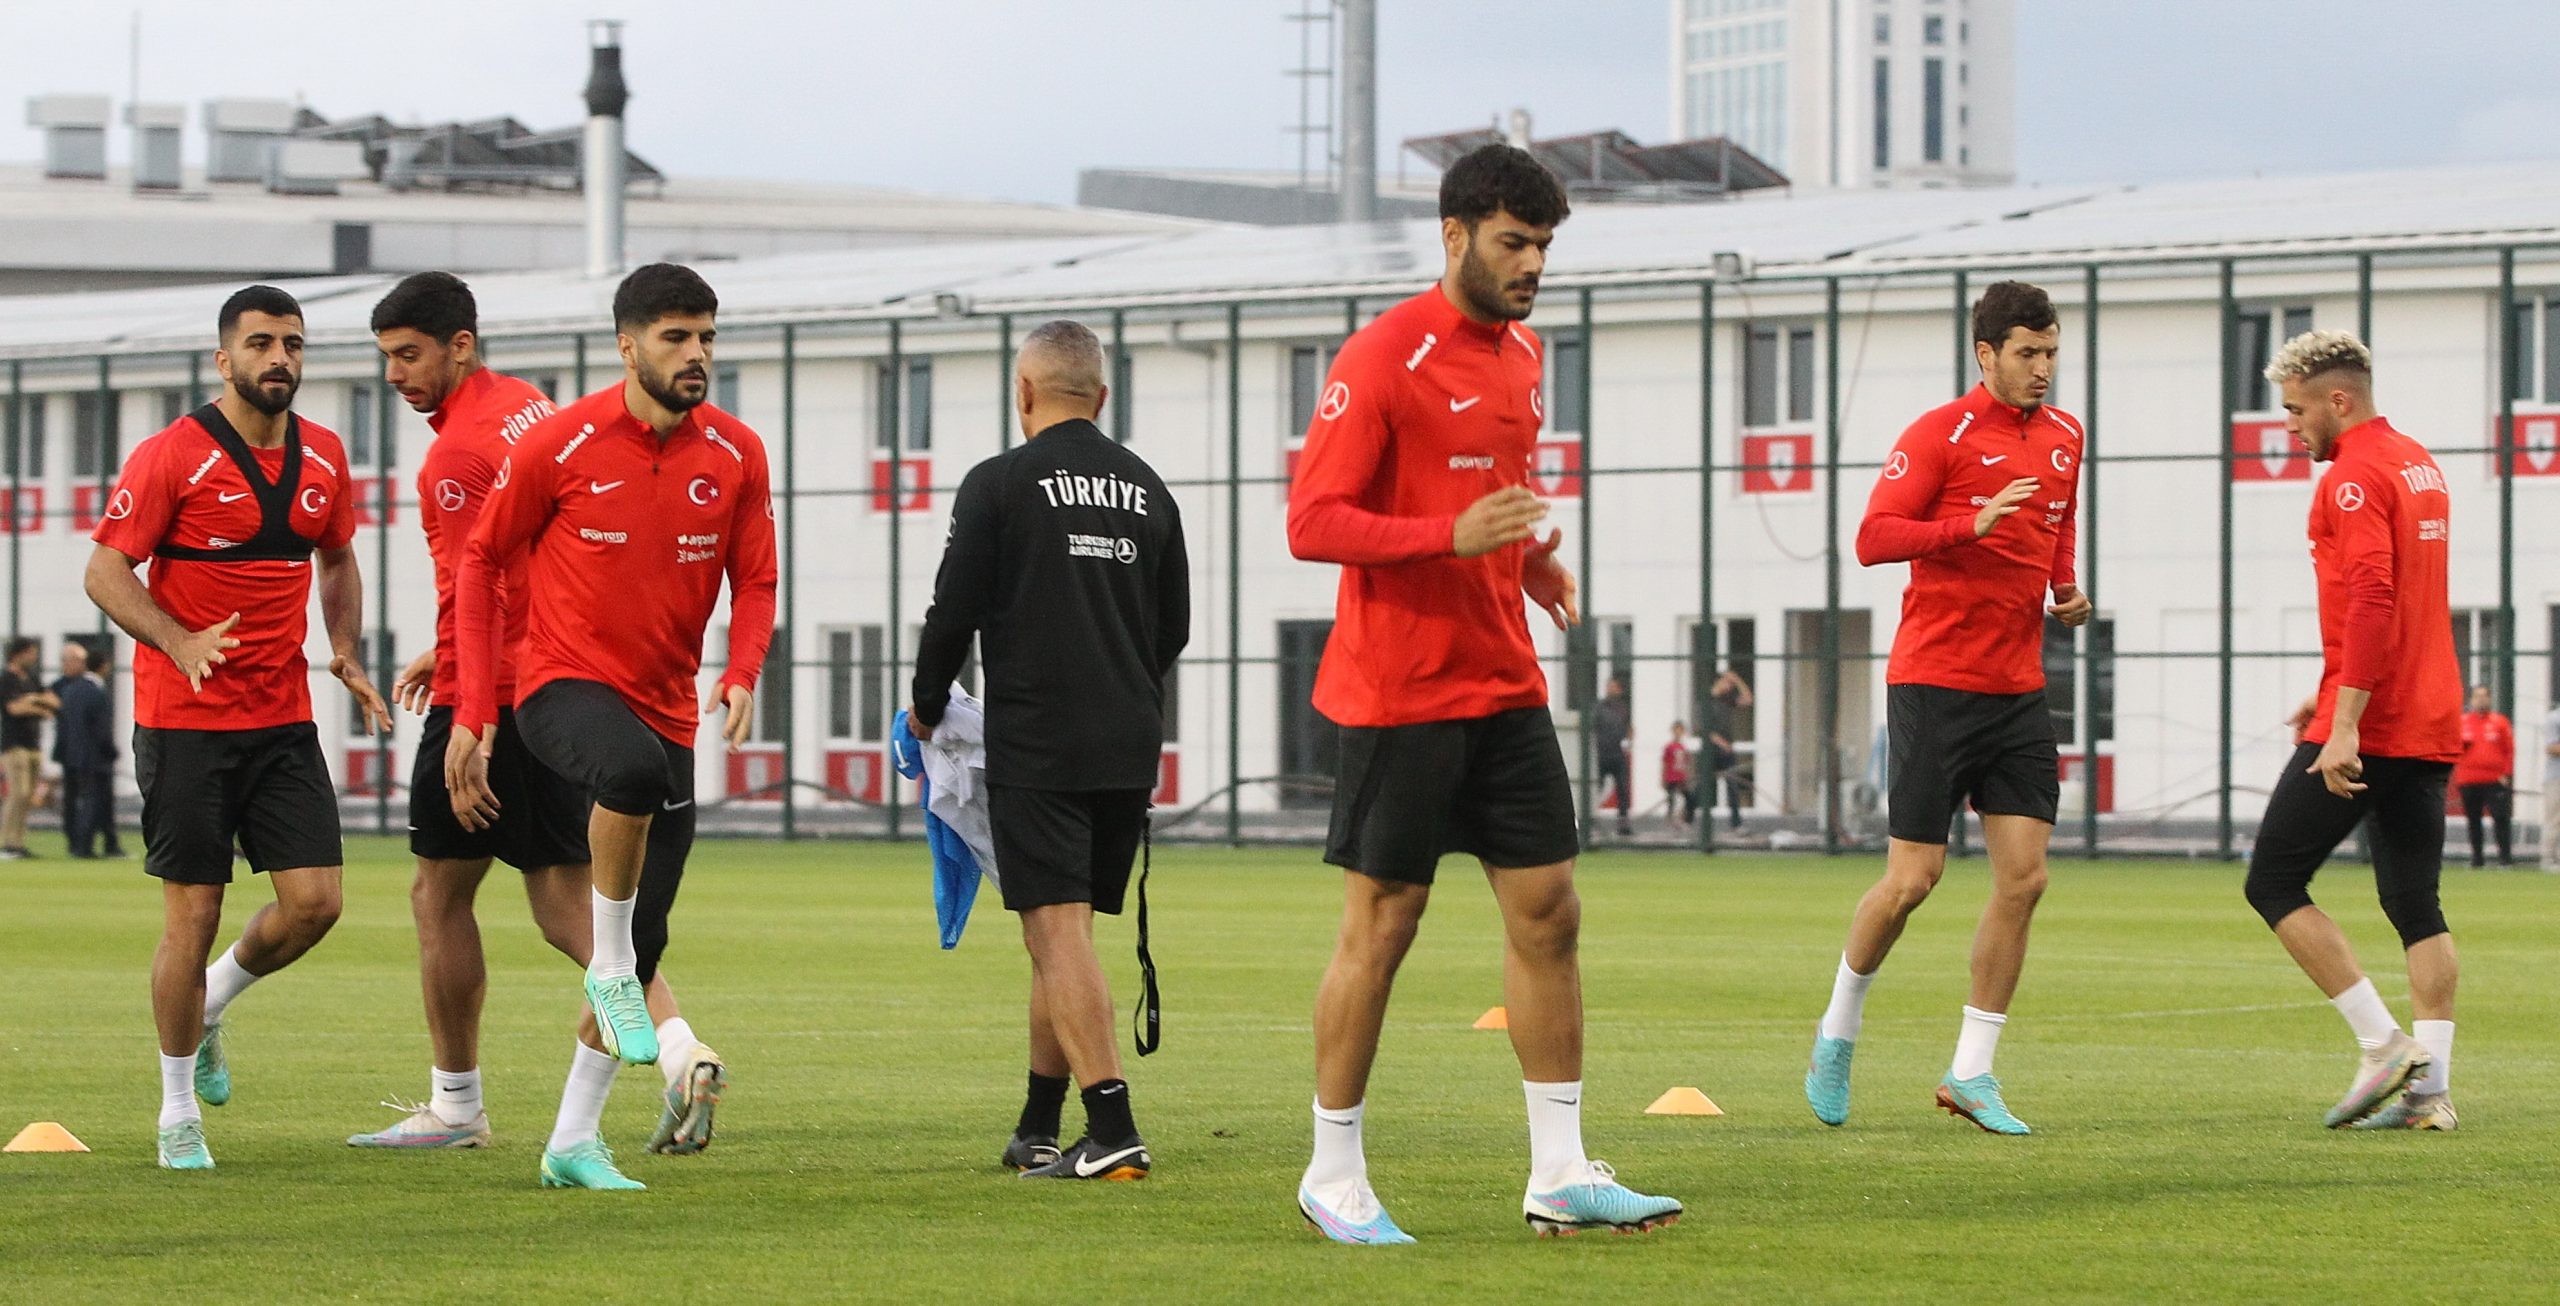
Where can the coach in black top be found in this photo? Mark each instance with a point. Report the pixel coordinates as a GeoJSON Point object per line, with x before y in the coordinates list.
{"type": "Point", "coordinates": [1066, 560]}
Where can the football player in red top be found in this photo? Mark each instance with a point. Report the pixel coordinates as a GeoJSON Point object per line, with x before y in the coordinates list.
{"type": "Point", "coordinates": [2486, 774]}
{"type": "Point", "coordinates": [1415, 480]}
{"type": "Point", "coordinates": [635, 503]}
{"type": "Point", "coordinates": [1981, 497]}
{"type": "Point", "coordinates": [427, 329]}
{"type": "Point", "coordinates": [236, 507]}
{"type": "Point", "coordinates": [2379, 739]}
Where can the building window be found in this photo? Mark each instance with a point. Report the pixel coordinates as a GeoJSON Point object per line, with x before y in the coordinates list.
{"type": "Point", "coordinates": [2479, 645]}
{"type": "Point", "coordinates": [2062, 682]}
{"type": "Point", "coordinates": [1884, 114]}
{"type": "Point", "coordinates": [1933, 30]}
{"type": "Point", "coordinates": [913, 410]}
{"type": "Point", "coordinates": [1173, 704]}
{"type": "Point", "coordinates": [92, 432]}
{"type": "Point", "coordinates": [360, 423]}
{"type": "Point", "coordinates": [773, 691]}
{"type": "Point", "coordinates": [1777, 375]}
{"type": "Point", "coordinates": [1933, 112]}
{"type": "Point", "coordinates": [546, 382]}
{"type": "Point", "coordinates": [25, 453]}
{"type": "Point", "coordinates": [1567, 366]}
{"type": "Point", "coordinates": [173, 405]}
{"type": "Point", "coordinates": [724, 389]}
{"type": "Point", "coordinates": [840, 682]}
{"type": "Point", "coordinates": [1884, 29]}
{"type": "Point", "coordinates": [2256, 338]}
{"type": "Point", "coordinates": [1124, 366]}
{"type": "Point", "coordinates": [1306, 384]}
{"type": "Point", "coordinates": [870, 697]}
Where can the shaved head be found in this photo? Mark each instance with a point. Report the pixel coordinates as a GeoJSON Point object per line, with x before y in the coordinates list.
{"type": "Point", "coordinates": [1062, 362]}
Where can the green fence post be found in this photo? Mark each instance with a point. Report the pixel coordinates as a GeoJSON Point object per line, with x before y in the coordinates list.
{"type": "Point", "coordinates": [1705, 644]}
{"type": "Point", "coordinates": [790, 580]}
{"type": "Point", "coordinates": [2088, 555]}
{"type": "Point", "coordinates": [386, 443]}
{"type": "Point", "coordinates": [2510, 372]}
{"type": "Point", "coordinates": [1828, 776]}
{"type": "Point", "coordinates": [893, 420]}
{"type": "Point", "coordinates": [2229, 371]}
{"type": "Point", "coordinates": [1235, 573]}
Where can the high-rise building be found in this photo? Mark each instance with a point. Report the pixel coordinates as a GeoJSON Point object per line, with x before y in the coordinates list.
{"type": "Point", "coordinates": [1852, 93]}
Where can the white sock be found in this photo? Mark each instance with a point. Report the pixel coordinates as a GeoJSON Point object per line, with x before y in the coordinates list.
{"type": "Point", "coordinates": [675, 1045]}
{"type": "Point", "coordinates": [178, 1090]}
{"type": "Point", "coordinates": [1848, 1010]}
{"type": "Point", "coordinates": [582, 1098]}
{"type": "Point", "coordinates": [456, 1100]}
{"type": "Point", "coordinates": [614, 953]}
{"type": "Point", "coordinates": [1555, 1135]}
{"type": "Point", "coordinates": [1338, 1157]}
{"type": "Point", "coordinates": [1976, 1041]}
{"type": "Point", "coordinates": [2438, 1036]}
{"type": "Point", "coordinates": [2366, 1015]}
{"type": "Point", "coordinates": [224, 980]}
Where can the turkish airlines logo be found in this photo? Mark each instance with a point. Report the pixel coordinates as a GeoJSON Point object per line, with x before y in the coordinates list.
{"type": "Point", "coordinates": [449, 495]}
{"type": "Point", "coordinates": [1337, 401]}
{"type": "Point", "coordinates": [702, 490]}
{"type": "Point", "coordinates": [307, 505]}
{"type": "Point", "coordinates": [2350, 497]}
{"type": "Point", "coordinates": [121, 506]}
{"type": "Point", "coordinates": [1898, 466]}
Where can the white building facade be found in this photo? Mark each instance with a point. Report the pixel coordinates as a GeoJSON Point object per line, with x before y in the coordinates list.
{"type": "Point", "coordinates": [1852, 93]}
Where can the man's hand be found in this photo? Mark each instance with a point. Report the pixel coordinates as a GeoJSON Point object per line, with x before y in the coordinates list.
{"type": "Point", "coordinates": [917, 727]}
{"type": "Point", "coordinates": [741, 702]}
{"type": "Point", "coordinates": [2002, 504]}
{"type": "Point", "coordinates": [2070, 606]}
{"type": "Point", "coordinates": [2301, 718]}
{"type": "Point", "coordinates": [416, 687]}
{"type": "Point", "coordinates": [466, 777]}
{"type": "Point", "coordinates": [369, 705]}
{"type": "Point", "coordinates": [2338, 766]}
{"type": "Point", "coordinates": [1500, 518]}
{"type": "Point", "coordinates": [198, 652]}
{"type": "Point", "coordinates": [1547, 583]}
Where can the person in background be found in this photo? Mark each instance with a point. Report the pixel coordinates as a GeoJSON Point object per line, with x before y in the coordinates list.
{"type": "Point", "coordinates": [84, 744]}
{"type": "Point", "coordinates": [1732, 697]}
{"type": "Point", "coordinates": [1613, 735]}
{"type": "Point", "coordinates": [24, 707]}
{"type": "Point", "coordinates": [1679, 778]}
{"type": "Point", "coordinates": [2486, 774]}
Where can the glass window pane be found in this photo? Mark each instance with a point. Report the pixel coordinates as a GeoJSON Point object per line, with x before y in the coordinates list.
{"type": "Point", "coordinates": [724, 389]}
{"type": "Point", "coordinates": [875, 686]}
{"type": "Point", "coordinates": [919, 404]}
{"type": "Point", "coordinates": [2550, 364]}
{"type": "Point", "coordinates": [1564, 387]}
{"type": "Point", "coordinates": [2523, 350]}
{"type": "Point", "coordinates": [1760, 377]}
{"type": "Point", "coordinates": [1884, 103]}
{"type": "Point", "coordinates": [773, 690]}
{"type": "Point", "coordinates": [1306, 372]}
{"type": "Point", "coordinates": [1800, 375]}
{"type": "Point", "coordinates": [2297, 320]}
{"type": "Point", "coordinates": [2253, 351]}
{"type": "Point", "coordinates": [839, 684]}
{"type": "Point", "coordinates": [1933, 115]}
{"type": "Point", "coordinates": [88, 436]}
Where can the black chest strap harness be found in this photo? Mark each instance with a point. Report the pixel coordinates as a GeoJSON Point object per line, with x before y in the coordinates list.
{"type": "Point", "coordinates": [276, 540]}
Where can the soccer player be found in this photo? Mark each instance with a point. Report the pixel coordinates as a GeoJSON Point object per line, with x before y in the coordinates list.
{"type": "Point", "coordinates": [427, 329]}
{"type": "Point", "coordinates": [633, 503]}
{"type": "Point", "coordinates": [1415, 480]}
{"type": "Point", "coordinates": [2379, 739]}
{"type": "Point", "coordinates": [1980, 496]}
{"type": "Point", "coordinates": [2485, 774]}
{"type": "Point", "coordinates": [235, 506]}
{"type": "Point", "coordinates": [1066, 559]}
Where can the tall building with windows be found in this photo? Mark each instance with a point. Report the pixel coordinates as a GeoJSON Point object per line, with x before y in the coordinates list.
{"type": "Point", "coordinates": [1852, 93]}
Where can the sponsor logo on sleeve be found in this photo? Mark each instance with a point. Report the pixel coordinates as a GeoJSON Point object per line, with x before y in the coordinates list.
{"type": "Point", "coordinates": [121, 506]}
{"type": "Point", "coordinates": [1898, 466]}
{"type": "Point", "coordinates": [2350, 497]}
{"type": "Point", "coordinates": [1337, 401]}
{"type": "Point", "coordinates": [449, 495]}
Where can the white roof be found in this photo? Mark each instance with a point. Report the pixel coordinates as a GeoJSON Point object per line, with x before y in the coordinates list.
{"type": "Point", "coordinates": [1814, 234]}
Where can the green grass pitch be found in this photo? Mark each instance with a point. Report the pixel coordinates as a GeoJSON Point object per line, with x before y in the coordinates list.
{"type": "Point", "coordinates": [2173, 1062]}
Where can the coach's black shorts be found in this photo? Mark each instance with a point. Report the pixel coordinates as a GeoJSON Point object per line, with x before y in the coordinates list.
{"type": "Point", "coordinates": [584, 732]}
{"type": "Point", "coordinates": [542, 816]}
{"type": "Point", "coordinates": [266, 790]}
{"type": "Point", "coordinates": [2404, 800]}
{"type": "Point", "coordinates": [1951, 745]}
{"type": "Point", "coordinates": [1056, 846]}
{"type": "Point", "coordinates": [1493, 786]}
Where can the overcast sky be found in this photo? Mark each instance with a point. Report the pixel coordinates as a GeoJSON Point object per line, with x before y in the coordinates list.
{"type": "Point", "coordinates": [1011, 97]}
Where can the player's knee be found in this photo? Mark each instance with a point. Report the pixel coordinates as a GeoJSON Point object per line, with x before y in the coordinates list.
{"type": "Point", "coordinates": [311, 915]}
{"type": "Point", "coordinates": [2418, 915]}
{"type": "Point", "coordinates": [2023, 888]}
{"type": "Point", "coordinates": [1548, 926]}
{"type": "Point", "coordinates": [635, 786]}
{"type": "Point", "coordinates": [2274, 894]}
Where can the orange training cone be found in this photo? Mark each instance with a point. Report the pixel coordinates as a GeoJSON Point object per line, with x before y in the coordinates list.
{"type": "Point", "coordinates": [45, 1136]}
{"type": "Point", "coordinates": [1494, 1018]}
{"type": "Point", "coordinates": [1683, 1102]}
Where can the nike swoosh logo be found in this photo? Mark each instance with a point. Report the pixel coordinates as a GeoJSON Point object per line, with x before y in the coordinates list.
{"type": "Point", "coordinates": [232, 498]}
{"type": "Point", "coordinates": [1088, 1169]}
{"type": "Point", "coordinates": [1457, 407]}
{"type": "Point", "coordinates": [1987, 459]}
{"type": "Point", "coordinates": [1566, 1101]}
{"type": "Point", "coordinates": [675, 807]}
{"type": "Point", "coordinates": [1344, 1123]}
{"type": "Point", "coordinates": [599, 487]}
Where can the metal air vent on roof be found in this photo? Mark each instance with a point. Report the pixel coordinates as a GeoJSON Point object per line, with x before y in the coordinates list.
{"type": "Point", "coordinates": [158, 163]}
{"type": "Point", "coordinates": [240, 134]}
{"type": "Point", "coordinates": [75, 133]}
{"type": "Point", "coordinates": [307, 167]}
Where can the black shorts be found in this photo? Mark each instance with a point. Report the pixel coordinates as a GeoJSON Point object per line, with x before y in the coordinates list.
{"type": "Point", "coordinates": [584, 732]}
{"type": "Point", "coordinates": [542, 817]}
{"type": "Point", "coordinates": [1493, 786]}
{"type": "Point", "coordinates": [265, 790]}
{"type": "Point", "coordinates": [1948, 746]}
{"type": "Point", "coordinates": [2403, 799]}
{"type": "Point", "coordinates": [1057, 846]}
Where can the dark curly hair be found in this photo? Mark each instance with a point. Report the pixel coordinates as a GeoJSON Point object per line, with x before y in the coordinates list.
{"type": "Point", "coordinates": [659, 290]}
{"type": "Point", "coordinates": [436, 305]}
{"type": "Point", "coordinates": [2010, 304]}
{"type": "Point", "coordinates": [1502, 178]}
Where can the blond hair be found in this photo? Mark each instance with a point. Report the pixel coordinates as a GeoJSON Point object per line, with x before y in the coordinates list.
{"type": "Point", "coordinates": [2316, 352]}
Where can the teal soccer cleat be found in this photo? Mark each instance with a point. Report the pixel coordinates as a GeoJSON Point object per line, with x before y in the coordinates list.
{"type": "Point", "coordinates": [586, 1165]}
{"type": "Point", "coordinates": [1826, 1080]}
{"type": "Point", "coordinates": [1358, 1219]}
{"type": "Point", "coordinates": [213, 1068]}
{"type": "Point", "coordinates": [1598, 1202]}
{"type": "Point", "coordinates": [182, 1147]}
{"type": "Point", "coordinates": [622, 1018]}
{"type": "Point", "coordinates": [1978, 1100]}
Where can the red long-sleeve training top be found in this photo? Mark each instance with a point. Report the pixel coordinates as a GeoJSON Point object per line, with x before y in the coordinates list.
{"type": "Point", "coordinates": [475, 428]}
{"type": "Point", "coordinates": [2380, 525]}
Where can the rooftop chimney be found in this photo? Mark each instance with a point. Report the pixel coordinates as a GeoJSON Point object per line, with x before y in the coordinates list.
{"type": "Point", "coordinates": [157, 128]}
{"type": "Point", "coordinates": [240, 134]}
{"type": "Point", "coordinates": [1359, 177]}
{"type": "Point", "coordinates": [1518, 134]}
{"type": "Point", "coordinates": [75, 133]}
{"type": "Point", "coordinates": [602, 156]}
